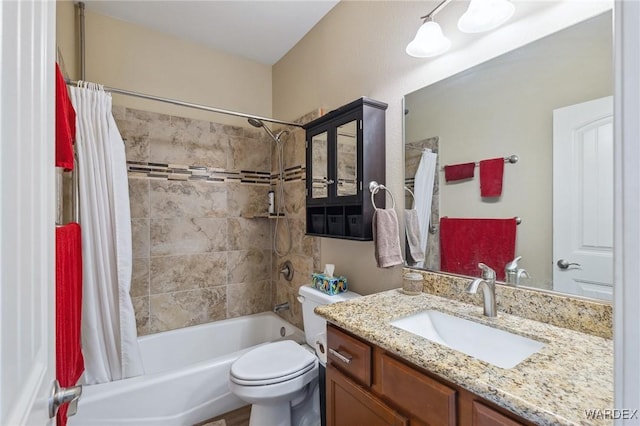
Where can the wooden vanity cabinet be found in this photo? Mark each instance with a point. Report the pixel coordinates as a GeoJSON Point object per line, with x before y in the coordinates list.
{"type": "Point", "coordinates": [394, 392]}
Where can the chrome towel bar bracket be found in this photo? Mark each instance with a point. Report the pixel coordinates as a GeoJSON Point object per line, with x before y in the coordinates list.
{"type": "Point", "coordinates": [374, 187]}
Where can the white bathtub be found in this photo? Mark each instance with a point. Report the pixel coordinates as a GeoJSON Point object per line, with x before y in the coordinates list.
{"type": "Point", "coordinates": [186, 373]}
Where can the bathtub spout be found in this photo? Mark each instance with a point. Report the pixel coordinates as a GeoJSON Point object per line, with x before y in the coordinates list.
{"type": "Point", "coordinates": [281, 307]}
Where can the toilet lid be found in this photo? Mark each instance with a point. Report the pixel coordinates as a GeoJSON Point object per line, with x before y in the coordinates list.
{"type": "Point", "coordinates": [273, 362]}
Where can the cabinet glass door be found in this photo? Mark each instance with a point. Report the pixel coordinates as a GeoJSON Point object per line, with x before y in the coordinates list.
{"type": "Point", "coordinates": [320, 166]}
{"type": "Point", "coordinates": [347, 159]}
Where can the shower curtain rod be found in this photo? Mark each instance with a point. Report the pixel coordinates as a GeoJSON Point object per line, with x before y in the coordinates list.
{"type": "Point", "coordinates": [190, 105]}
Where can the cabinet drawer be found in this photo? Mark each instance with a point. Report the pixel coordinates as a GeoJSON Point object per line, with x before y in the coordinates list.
{"type": "Point", "coordinates": [417, 394]}
{"type": "Point", "coordinates": [349, 355]}
{"type": "Point", "coordinates": [485, 416]}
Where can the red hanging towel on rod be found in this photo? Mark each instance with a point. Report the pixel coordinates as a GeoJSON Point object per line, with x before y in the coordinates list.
{"type": "Point", "coordinates": [491, 173]}
{"type": "Point", "coordinates": [69, 360]}
{"type": "Point", "coordinates": [65, 124]}
{"type": "Point", "coordinates": [459, 171]}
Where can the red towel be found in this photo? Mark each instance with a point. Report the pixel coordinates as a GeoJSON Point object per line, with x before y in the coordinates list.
{"type": "Point", "coordinates": [466, 242]}
{"type": "Point", "coordinates": [65, 124]}
{"type": "Point", "coordinates": [459, 171]}
{"type": "Point", "coordinates": [69, 360]}
{"type": "Point", "coordinates": [491, 172]}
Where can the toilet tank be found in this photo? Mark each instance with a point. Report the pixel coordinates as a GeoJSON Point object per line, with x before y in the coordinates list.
{"type": "Point", "coordinates": [310, 298]}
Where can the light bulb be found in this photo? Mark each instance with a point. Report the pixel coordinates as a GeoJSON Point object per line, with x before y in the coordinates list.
{"type": "Point", "coordinates": [485, 15]}
{"type": "Point", "coordinates": [429, 41]}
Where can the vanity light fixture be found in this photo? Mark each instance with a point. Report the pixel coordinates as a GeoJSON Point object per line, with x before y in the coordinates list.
{"type": "Point", "coordinates": [481, 15]}
{"type": "Point", "coordinates": [485, 15]}
{"type": "Point", "coordinates": [429, 40]}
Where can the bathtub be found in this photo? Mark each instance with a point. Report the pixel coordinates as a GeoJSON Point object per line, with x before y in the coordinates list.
{"type": "Point", "coordinates": [186, 373]}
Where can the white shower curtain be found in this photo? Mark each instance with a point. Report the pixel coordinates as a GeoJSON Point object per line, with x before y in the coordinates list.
{"type": "Point", "coordinates": [423, 191]}
{"type": "Point", "coordinates": [109, 337]}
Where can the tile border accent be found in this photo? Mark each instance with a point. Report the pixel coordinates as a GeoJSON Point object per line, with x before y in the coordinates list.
{"type": "Point", "coordinates": [179, 172]}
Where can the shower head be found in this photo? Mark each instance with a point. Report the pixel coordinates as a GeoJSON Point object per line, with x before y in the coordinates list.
{"type": "Point", "coordinates": [255, 122]}
{"type": "Point", "coordinates": [259, 123]}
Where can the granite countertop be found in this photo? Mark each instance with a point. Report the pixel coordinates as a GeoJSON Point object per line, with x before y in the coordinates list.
{"type": "Point", "coordinates": [571, 374]}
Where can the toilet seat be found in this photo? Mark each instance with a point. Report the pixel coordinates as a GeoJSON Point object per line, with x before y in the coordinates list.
{"type": "Point", "coordinates": [272, 363]}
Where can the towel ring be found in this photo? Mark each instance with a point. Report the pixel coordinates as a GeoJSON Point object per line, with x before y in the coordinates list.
{"type": "Point", "coordinates": [406, 188]}
{"type": "Point", "coordinates": [374, 187]}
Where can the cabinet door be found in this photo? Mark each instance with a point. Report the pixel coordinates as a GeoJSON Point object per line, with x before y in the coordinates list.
{"type": "Point", "coordinates": [416, 394]}
{"type": "Point", "coordinates": [485, 416]}
{"type": "Point", "coordinates": [347, 159]}
{"type": "Point", "coordinates": [319, 177]}
{"type": "Point", "coordinates": [351, 405]}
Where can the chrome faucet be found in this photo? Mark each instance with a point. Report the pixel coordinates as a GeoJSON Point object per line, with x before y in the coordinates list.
{"type": "Point", "coordinates": [521, 273]}
{"type": "Point", "coordinates": [513, 273]}
{"type": "Point", "coordinates": [281, 307]}
{"type": "Point", "coordinates": [488, 283]}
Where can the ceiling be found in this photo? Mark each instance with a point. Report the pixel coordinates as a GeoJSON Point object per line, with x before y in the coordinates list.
{"type": "Point", "coordinates": [263, 31]}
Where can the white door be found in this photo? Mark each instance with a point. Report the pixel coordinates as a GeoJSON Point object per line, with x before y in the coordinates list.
{"type": "Point", "coordinates": [583, 199]}
{"type": "Point", "coordinates": [27, 211]}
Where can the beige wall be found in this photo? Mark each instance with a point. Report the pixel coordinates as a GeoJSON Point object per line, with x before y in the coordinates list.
{"type": "Point", "coordinates": [66, 30]}
{"type": "Point", "coordinates": [131, 57]}
{"type": "Point", "coordinates": [358, 50]}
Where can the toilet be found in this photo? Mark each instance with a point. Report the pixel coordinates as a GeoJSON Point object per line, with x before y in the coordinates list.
{"type": "Point", "coordinates": [281, 379]}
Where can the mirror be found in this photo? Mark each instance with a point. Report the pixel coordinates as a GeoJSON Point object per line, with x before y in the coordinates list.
{"type": "Point", "coordinates": [319, 165]}
{"type": "Point", "coordinates": [506, 107]}
{"type": "Point", "coordinates": [347, 159]}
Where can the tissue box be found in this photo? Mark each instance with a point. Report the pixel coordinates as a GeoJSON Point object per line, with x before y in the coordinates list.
{"type": "Point", "coordinates": [329, 285]}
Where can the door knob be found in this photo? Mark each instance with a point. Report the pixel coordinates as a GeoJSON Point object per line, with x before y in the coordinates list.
{"type": "Point", "coordinates": [563, 264]}
{"type": "Point", "coordinates": [61, 396]}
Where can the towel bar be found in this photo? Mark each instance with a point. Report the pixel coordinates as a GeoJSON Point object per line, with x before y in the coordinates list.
{"type": "Point", "coordinates": [374, 187]}
{"type": "Point", "coordinates": [512, 159]}
{"type": "Point", "coordinates": [517, 218]}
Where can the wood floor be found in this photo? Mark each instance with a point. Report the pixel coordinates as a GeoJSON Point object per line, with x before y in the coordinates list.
{"type": "Point", "coordinates": [239, 417]}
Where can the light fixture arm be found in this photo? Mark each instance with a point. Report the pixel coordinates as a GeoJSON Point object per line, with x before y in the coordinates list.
{"type": "Point", "coordinates": [429, 16]}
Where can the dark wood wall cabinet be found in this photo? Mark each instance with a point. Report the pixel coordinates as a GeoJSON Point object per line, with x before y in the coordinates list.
{"type": "Point", "coordinates": [368, 386]}
{"type": "Point", "coordinates": [345, 151]}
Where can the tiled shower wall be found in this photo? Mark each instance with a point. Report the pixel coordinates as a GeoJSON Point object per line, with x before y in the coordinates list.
{"type": "Point", "coordinates": [201, 237]}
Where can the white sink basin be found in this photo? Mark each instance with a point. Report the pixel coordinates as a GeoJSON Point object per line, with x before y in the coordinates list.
{"type": "Point", "coordinates": [497, 347]}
